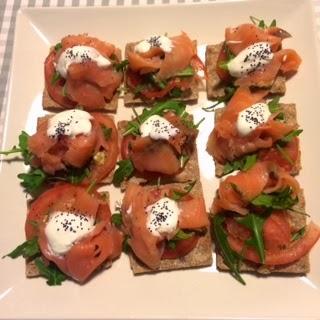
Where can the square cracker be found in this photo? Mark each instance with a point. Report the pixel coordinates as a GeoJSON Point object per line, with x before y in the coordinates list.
{"type": "Point", "coordinates": [190, 171]}
{"type": "Point", "coordinates": [301, 266]}
{"type": "Point", "coordinates": [200, 256]}
{"type": "Point", "coordinates": [131, 100]}
{"type": "Point", "coordinates": [290, 112]}
{"type": "Point", "coordinates": [215, 88]}
{"type": "Point", "coordinates": [32, 270]}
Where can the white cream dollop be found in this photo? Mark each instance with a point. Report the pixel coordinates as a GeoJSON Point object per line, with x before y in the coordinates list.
{"type": "Point", "coordinates": [252, 117]}
{"type": "Point", "coordinates": [64, 229]}
{"type": "Point", "coordinates": [158, 128]}
{"type": "Point", "coordinates": [162, 42]}
{"type": "Point", "coordinates": [79, 54]}
{"type": "Point", "coordinates": [251, 58]}
{"type": "Point", "coordinates": [69, 123]}
{"type": "Point", "coordinates": [163, 217]}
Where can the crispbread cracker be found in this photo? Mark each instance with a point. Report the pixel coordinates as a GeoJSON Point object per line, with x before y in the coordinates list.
{"type": "Point", "coordinates": [131, 100]}
{"type": "Point", "coordinates": [49, 104]}
{"type": "Point", "coordinates": [290, 112]}
{"type": "Point", "coordinates": [190, 171]}
{"type": "Point", "coordinates": [31, 269]}
{"type": "Point", "coordinates": [200, 256]}
{"type": "Point", "coordinates": [215, 88]}
{"type": "Point", "coordinates": [107, 179]}
{"type": "Point", "coordinates": [301, 266]}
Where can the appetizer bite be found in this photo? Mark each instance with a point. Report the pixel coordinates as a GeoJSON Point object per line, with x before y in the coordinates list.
{"type": "Point", "coordinates": [69, 234]}
{"type": "Point", "coordinates": [167, 227]}
{"type": "Point", "coordinates": [259, 223]}
{"type": "Point", "coordinates": [160, 142]}
{"type": "Point", "coordinates": [160, 67]}
{"type": "Point", "coordinates": [250, 128]}
{"type": "Point", "coordinates": [73, 145]}
{"type": "Point", "coordinates": [82, 71]}
{"type": "Point", "coordinates": [251, 55]}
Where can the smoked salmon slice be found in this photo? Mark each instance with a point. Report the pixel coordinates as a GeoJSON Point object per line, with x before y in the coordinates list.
{"type": "Point", "coordinates": [226, 144]}
{"type": "Point", "coordinates": [285, 62]}
{"type": "Point", "coordinates": [103, 243]}
{"type": "Point", "coordinates": [86, 83]}
{"type": "Point", "coordinates": [146, 246]}
{"type": "Point", "coordinates": [236, 192]}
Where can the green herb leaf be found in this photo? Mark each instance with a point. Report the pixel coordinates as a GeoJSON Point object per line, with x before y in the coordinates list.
{"type": "Point", "coordinates": [183, 160]}
{"type": "Point", "coordinates": [230, 258]}
{"type": "Point", "coordinates": [158, 109]}
{"type": "Point", "coordinates": [276, 200]}
{"type": "Point", "coordinates": [28, 249]}
{"type": "Point", "coordinates": [122, 66]}
{"type": "Point", "coordinates": [53, 275]}
{"type": "Point", "coordinates": [255, 224]}
{"type": "Point", "coordinates": [262, 24]}
{"type": "Point", "coordinates": [299, 234]}
{"type": "Point", "coordinates": [171, 244]}
{"type": "Point", "coordinates": [243, 164]}
{"type": "Point", "coordinates": [289, 137]}
{"type": "Point", "coordinates": [64, 91]}
{"type": "Point", "coordinates": [125, 244]}
{"type": "Point", "coordinates": [139, 88]}
{"type": "Point", "coordinates": [116, 219]}
{"type": "Point", "coordinates": [273, 23]}
{"type": "Point", "coordinates": [58, 46]}
{"type": "Point", "coordinates": [229, 91]}
{"type": "Point", "coordinates": [106, 132]}
{"type": "Point", "coordinates": [182, 235]}
{"type": "Point", "coordinates": [76, 175]}
{"type": "Point", "coordinates": [284, 154]}
{"type": "Point", "coordinates": [55, 77]}
{"type": "Point", "coordinates": [274, 104]}
{"type": "Point", "coordinates": [175, 93]}
{"type": "Point", "coordinates": [157, 82]}
{"type": "Point", "coordinates": [187, 72]}
{"type": "Point", "coordinates": [33, 180]}
{"type": "Point", "coordinates": [178, 195]}
{"type": "Point", "coordinates": [125, 170]}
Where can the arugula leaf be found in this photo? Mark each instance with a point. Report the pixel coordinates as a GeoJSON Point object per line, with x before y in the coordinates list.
{"type": "Point", "coordinates": [55, 77]}
{"type": "Point", "coordinates": [175, 93]}
{"type": "Point", "coordinates": [58, 46]}
{"type": "Point", "coordinates": [274, 104]}
{"type": "Point", "coordinates": [299, 234]}
{"type": "Point", "coordinates": [27, 249]}
{"type": "Point", "coordinates": [276, 200]}
{"type": "Point", "coordinates": [157, 82]}
{"type": "Point", "coordinates": [116, 219]}
{"type": "Point", "coordinates": [182, 235]}
{"type": "Point", "coordinates": [33, 180]}
{"type": "Point", "coordinates": [22, 148]}
{"type": "Point", "coordinates": [183, 160]}
{"type": "Point", "coordinates": [139, 88]}
{"type": "Point", "coordinates": [255, 224]}
{"type": "Point", "coordinates": [228, 93]}
{"type": "Point", "coordinates": [289, 137]}
{"type": "Point", "coordinates": [188, 121]}
{"type": "Point", "coordinates": [76, 175]}
{"type": "Point", "coordinates": [158, 109]}
{"type": "Point", "coordinates": [53, 275]}
{"type": "Point", "coordinates": [64, 91]}
{"type": "Point", "coordinates": [124, 171]}
{"type": "Point", "coordinates": [125, 244]}
{"type": "Point", "coordinates": [106, 132]}
{"type": "Point", "coordinates": [284, 154]}
{"type": "Point", "coordinates": [178, 195]}
{"type": "Point", "coordinates": [243, 164]}
{"type": "Point", "coordinates": [230, 258]}
{"type": "Point", "coordinates": [261, 24]}
{"type": "Point", "coordinates": [273, 23]}
{"type": "Point", "coordinates": [122, 66]}
{"type": "Point", "coordinates": [187, 72]}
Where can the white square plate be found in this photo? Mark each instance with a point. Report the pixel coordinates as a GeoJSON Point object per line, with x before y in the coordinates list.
{"type": "Point", "coordinates": [191, 294]}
